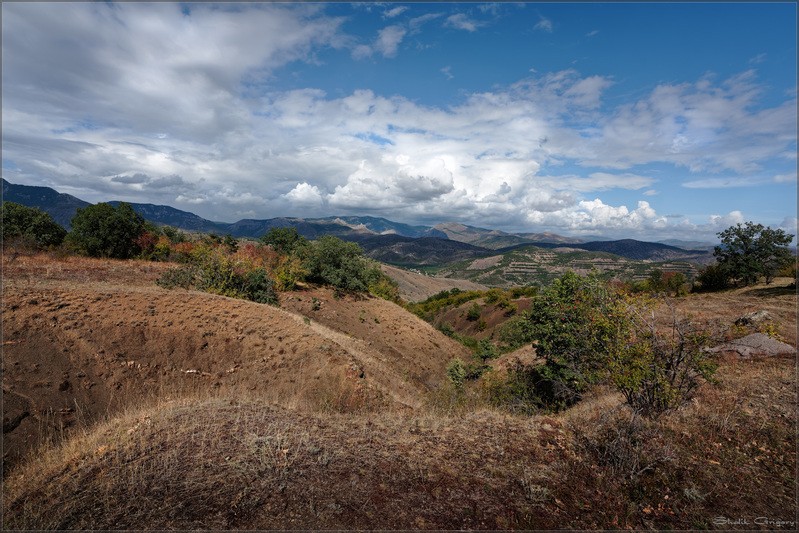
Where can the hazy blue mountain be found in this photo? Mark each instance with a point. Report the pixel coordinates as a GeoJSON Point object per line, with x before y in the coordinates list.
{"type": "Point", "coordinates": [62, 207]}
{"type": "Point", "coordinates": [496, 239]}
{"type": "Point", "coordinates": [633, 249]}
{"type": "Point", "coordinates": [163, 215]}
{"type": "Point", "coordinates": [383, 226]}
{"type": "Point", "coordinates": [423, 251]}
{"type": "Point", "coordinates": [382, 239]}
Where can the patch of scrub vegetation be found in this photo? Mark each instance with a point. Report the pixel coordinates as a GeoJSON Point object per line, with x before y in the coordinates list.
{"type": "Point", "coordinates": [588, 332]}
{"type": "Point", "coordinates": [429, 308]}
{"type": "Point", "coordinates": [282, 260]}
{"type": "Point", "coordinates": [241, 274]}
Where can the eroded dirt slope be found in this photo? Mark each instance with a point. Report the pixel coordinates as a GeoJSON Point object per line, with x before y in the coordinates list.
{"type": "Point", "coordinates": [416, 287]}
{"type": "Point", "coordinates": [81, 342]}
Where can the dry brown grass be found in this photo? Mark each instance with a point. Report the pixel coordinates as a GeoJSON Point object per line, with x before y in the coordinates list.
{"type": "Point", "coordinates": [220, 463]}
{"type": "Point", "coordinates": [229, 464]}
{"type": "Point", "coordinates": [194, 456]}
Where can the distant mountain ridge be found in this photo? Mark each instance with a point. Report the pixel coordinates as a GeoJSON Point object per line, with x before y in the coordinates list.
{"type": "Point", "coordinates": [62, 207]}
{"type": "Point", "coordinates": [496, 239]}
{"type": "Point", "coordinates": [382, 239]}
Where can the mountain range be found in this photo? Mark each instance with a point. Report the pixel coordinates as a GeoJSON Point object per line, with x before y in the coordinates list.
{"type": "Point", "coordinates": [382, 239]}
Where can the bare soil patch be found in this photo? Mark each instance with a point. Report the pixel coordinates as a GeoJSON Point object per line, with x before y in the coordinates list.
{"type": "Point", "coordinates": [415, 287]}
{"type": "Point", "coordinates": [84, 339]}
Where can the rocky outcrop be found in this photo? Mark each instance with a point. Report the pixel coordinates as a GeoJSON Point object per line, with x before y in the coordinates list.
{"type": "Point", "coordinates": [755, 344]}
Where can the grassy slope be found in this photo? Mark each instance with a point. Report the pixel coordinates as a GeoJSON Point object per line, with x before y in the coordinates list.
{"type": "Point", "coordinates": [235, 460]}
{"type": "Point", "coordinates": [244, 464]}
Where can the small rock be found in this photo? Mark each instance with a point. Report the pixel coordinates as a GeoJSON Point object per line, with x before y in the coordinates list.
{"type": "Point", "coordinates": [753, 319]}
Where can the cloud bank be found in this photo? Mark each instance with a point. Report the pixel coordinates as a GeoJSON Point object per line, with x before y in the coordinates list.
{"type": "Point", "coordinates": [154, 103]}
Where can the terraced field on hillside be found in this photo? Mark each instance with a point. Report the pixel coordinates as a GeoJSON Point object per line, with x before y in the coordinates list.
{"type": "Point", "coordinates": [532, 265]}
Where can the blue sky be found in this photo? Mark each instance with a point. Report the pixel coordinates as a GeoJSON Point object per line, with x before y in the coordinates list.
{"type": "Point", "coordinates": [648, 120]}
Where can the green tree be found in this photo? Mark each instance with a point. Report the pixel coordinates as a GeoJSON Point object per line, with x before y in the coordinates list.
{"type": "Point", "coordinates": [578, 323]}
{"type": "Point", "coordinates": [102, 230]}
{"type": "Point", "coordinates": [30, 223]}
{"type": "Point", "coordinates": [675, 283]}
{"type": "Point", "coordinates": [656, 281]}
{"type": "Point", "coordinates": [473, 312]}
{"type": "Point", "coordinates": [284, 240]}
{"type": "Point", "coordinates": [749, 251]}
{"type": "Point", "coordinates": [332, 261]}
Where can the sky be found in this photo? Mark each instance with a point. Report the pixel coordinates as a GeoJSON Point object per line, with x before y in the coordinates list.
{"type": "Point", "coordinates": [624, 120]}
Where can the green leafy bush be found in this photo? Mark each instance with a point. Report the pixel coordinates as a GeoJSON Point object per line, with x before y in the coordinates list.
{"type": "Point", "coordinates": [714, 277]}
{"type": "Point", "coordinates": [474, 312]}
{"type": "Point", "coordinates": [657, 372]}
{"type": "Point", "coordinates": [456, 372]}
{"type": "Point", "coordinates": [102, 230]}
{"type": "Point", "coordinates": [289, 272]}
{"type": "Point", "coordinates": [519, 391]}
{"type": "Point", "coordinates": [341, 264]}
{"type": "Point", "coordinates": [578, 323]}
{"type": "Point", "coordinates": [515, 333]}
{"type": "Point", "coordinates": [212, 269]}
{"type": "Point", "coordinates": [30, 224]}
{"type": "Point", "coordinates": [284, 240]}
{"type": "Point", "coordinates": [427, 309]}
{"type": "Point", "coordinates": [527, 291]}
{"type": "Point", "coordinates": [331, 261]}
{"type": "Point", "coordinates": [382, 286]}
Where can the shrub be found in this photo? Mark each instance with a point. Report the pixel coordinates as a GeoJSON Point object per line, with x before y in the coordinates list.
{"type": "Point", "coordinates": [528, 291]}
{"type": "Point", "coordinates": [456, 372]}
{"type": "Point", "coordinates": [714, 277]}
{"type": "Point", "coordinates": [515, 333]}
{"type": "Point", "coordinates": [382, 286]}
{"type": "Point", "coordinates": [102, 230]}
{"type": "Point", "coordinates": [517, 392]}
{"type": "Point", "coordinates": [486, 350]}
{"type": "Point", "coordinates": [256, 285]}
{"type": "Point", "coordinates": [578, 323]}
{"type": "Point", "coordinates": [174, 235]}
{"type": "Point", "coordinates": [331, 261]}
{"type": "Point", "coordinates": [427, 309]}
{"type": "Point", "coordinates": [473, 313]}
{"type": "Point", "coordinates": [676, 283]}
{"type": "Point", "coordinates": [31, 224]}
{"type": "Point", "coordinates": [182, 277]}
{"type": "Point", "coordinates": [212, 270]}
{"type": "Point", "coordinates": [288, 273]}
{"type": "Point", "coordinates": [153, 246]}
{"type": "Point", "coordinates": [447, 330]}
{"type": "Point", "coordinates": [493, 296]}
{"type": "Point", "coordinates": [657, 372]}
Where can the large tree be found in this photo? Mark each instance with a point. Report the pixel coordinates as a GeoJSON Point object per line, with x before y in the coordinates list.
{"type": "Point", "coordinates": [102, 230]}
{"type": "Point", "coordinates": [750, 251]}
{"type": "Point", "coordinates": [31, 224]}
